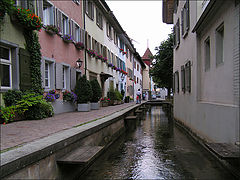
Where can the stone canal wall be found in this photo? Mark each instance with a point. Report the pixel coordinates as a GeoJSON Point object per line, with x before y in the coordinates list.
{"type": "Point", "coordinates": [37, 159]}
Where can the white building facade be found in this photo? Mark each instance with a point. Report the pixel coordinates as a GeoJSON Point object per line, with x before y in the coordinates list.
{"type": "Point", "coordinates": [206, 67]}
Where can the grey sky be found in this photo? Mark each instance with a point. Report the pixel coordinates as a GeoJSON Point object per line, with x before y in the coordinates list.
{"type": "Point", "coordinates": [142, 20]}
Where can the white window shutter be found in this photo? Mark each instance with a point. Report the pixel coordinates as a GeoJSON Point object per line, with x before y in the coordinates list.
{"type": "Point", "coordinates": [59, 76]}
{"type": "Point", "coordinates": [73, 78]}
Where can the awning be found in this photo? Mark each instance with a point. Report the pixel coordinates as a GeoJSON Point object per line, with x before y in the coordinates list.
{"type": "Point", "coordinates": [104, 76]}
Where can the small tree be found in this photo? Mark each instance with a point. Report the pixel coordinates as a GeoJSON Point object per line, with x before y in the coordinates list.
{"type": "Point", "coordinates": [96, 89]}
{"type": "Point", "coordinates": [83, 90]}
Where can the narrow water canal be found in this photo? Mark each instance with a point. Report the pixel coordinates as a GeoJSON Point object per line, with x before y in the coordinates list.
{"type": "Point", "coordinates": [155, 150]}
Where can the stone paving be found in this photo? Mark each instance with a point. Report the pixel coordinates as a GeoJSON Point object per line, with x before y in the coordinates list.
{"type": "Point", "coordinates": [21, 132]}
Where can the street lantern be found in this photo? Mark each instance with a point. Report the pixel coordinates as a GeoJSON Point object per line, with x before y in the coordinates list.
{"type": "Point", "coordinates": [79, 63]}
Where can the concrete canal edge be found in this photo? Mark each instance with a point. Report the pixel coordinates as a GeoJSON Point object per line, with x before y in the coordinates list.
{"type": "Point", "coordinates": [37, 159]}
{"type": "Point", "coordinates": [203, 143]}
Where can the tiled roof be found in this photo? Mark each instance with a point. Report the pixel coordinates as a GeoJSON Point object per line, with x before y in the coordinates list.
{"type": "Point", "coordinates": [147, 54]}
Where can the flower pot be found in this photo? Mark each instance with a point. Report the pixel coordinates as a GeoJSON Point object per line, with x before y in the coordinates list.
{"type": "Point", "coordinates": [67, 41]}
{"type": "Point", "coordinates": [84, 107]}
{"type": "Point", "coordinates": [95, 105]}
{"type": "Point", "coordinates": [50, 32]}
{"type": "Point", "coordinates": [104, 104]}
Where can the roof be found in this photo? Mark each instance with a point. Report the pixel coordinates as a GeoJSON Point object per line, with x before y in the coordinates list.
{"type": "Point", "coordinates": [147, 54]}
{"type": "Point", "coordinates": [147, 57]}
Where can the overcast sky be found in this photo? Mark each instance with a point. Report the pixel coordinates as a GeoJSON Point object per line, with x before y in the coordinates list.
{"type": "Point", "coordinates": [142, 20]}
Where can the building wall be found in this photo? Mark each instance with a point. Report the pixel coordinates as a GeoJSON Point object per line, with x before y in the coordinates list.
{"type": "Point", "coordinates": [210, 109]}
{"type": "Point", "coordinates": [138, 75]}
{"type": "Point", "coordinates": [130, 83]}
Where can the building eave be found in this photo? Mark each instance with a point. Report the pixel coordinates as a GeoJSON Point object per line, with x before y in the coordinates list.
{"type": "Point", "coordinates": [208, 13]}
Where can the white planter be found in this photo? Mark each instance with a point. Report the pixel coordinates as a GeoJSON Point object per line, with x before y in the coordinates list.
{"type": "Point", "coordinates": [60, 106]}
{"type": "Point", "coordinates": [95, 106]}
{"type": "Point", "coordinates": [84, 107]}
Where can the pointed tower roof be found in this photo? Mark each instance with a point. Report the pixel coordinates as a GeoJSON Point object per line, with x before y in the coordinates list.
{"type": "Point", "coordinates": [146, 57]}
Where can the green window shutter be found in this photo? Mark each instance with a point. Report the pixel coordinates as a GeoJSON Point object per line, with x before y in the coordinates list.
{"type": "Point", "coordinates": [25, 73]}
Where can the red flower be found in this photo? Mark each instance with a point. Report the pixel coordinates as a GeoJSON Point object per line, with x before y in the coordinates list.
{"type": "Point", "coordinates": [4, 123]}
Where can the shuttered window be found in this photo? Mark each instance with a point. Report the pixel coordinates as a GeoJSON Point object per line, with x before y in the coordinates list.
{"type": "Point", "coordinates": [99, 19]}
{"type": "Point", "coordinates": [5, 68]}
{"type": "Point", "coordinates": [183, 78]}
{"type": "Point", "coordinates": [185, 18]}
{"type": "Point", "coordinates": [48, 13]}
{"type": "Point", "coordinates": [188, 76]}
{"type": "Point", "coordinates": [176, 81]}
{"type": "Point", "coordinates": [89, 9]}
{"type": "Point", "coordinates": [48, 73]}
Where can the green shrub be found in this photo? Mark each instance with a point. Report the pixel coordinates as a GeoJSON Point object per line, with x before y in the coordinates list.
{"type": "Point", "coordinates": [83, 90]}
{"type": "Point", "coordinates": [40, 110]}
{"type": "Point", "coordinates": [118, 95]}
{"type": "Point", "coordinates": [8, 113]}
{"type": "Point", "coordinates": [11, 97]}
{"type": "Point", "coordinates": [97, 91]}
{"type": "Point", "coordinates": [111, 94]}
{"type": "Point", "coordinates": [123, 93]}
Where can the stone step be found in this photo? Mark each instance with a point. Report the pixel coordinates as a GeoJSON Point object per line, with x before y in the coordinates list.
{"type": "Point", "coordinates": [224, 150]}
{"type": "Point", "coordinates": [81, 156]}
{"type": "Point", "coordinates": [131, 118]}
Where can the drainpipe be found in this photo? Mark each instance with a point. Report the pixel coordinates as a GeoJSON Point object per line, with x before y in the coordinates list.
{"type": "Point", "coordinates": [85, 52]}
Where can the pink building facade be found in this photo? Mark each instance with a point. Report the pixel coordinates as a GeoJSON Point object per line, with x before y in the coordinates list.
{"type": "Point", "coordinates": [60, 68]}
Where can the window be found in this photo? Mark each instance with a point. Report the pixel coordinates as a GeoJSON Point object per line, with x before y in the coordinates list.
{"type": "Point", "coordinates": [89, 9]}
{"type": "Point", "coordinates": [5, 68]}
{"type": "Point", "coordinates": [185, 18]}
{"type": "Point", "coordinates": [176, 35]}
{"type": "Point", "coordinates": [109, 31]}
{"type": "Point", "coordinates": [65, 24]}
{"type": "Point", "coordinates": [176, 81]}
{"type": "Point", "coordinates": [99, 19]}
{"type": "Point", "coordinates": [47, 75]}
{"type": "Point", "coordinates": [188, 76]}
{"type": "Point", "coordinates": [207, 53]}
{"type": "Point", "coordinates": [65, 69]}
{"type": "Point", "coordinates": [115, 38]}
{"type": "Point", "coordinates": [219, 44]}
{"type": "Point", "coordinates": [137, 67]}
{"type": "Point", "coordinates": [183, 78]}
{"type": "Point", "coordinates": [137, 79]}
{"type": "Point", "coordinates": [48, 13]}
{"type": "Point", "coordinates": [134, 64]}
{"type": "Point", "coordinates": [77, 33]}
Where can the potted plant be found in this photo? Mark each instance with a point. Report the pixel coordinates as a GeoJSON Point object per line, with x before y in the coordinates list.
{"type": "Point", "coordinates": [110, 65]}
{"type": "Point", "coordinates": [84, 93]}
{"type": "Point", "coordinates": [118, 97]}
{"type": "Point", "coordinates": [69, 96]}
{"type": "Point", "coordinates": [51, 29]}
{"type": "Point", "coordinates": [112, 96]}
{"type": "Point", "coordinates": [105, 101]}
{"type": "Point", "coordinates": [97, 92]}
{"type": "Point", "coordinates": [67, 38]}
{"type": "Point", "coordinates": [79, 45]}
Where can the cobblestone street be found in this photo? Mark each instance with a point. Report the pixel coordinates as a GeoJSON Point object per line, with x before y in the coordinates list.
{"type": "Point", "coordinates": [17, 133]}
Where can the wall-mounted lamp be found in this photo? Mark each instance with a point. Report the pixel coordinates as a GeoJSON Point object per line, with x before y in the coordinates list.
{"type": "Point", "coordinates": [79, 63]}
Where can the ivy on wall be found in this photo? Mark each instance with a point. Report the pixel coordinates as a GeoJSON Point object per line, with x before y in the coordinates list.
{"type": "Point", "coordinates": [33, 47]}
{"type": "Point", "coordinates": [6, 6]}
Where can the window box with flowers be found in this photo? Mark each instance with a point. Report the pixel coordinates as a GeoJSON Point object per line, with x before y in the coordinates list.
{"type": "Point", "coordinates": [26, 18]}
{"type": "Point", "coordinates": [51, 29]}
{"type": "Point", "coordinates": [99, 57]}
{"type": "Point", "coordinates": [79, 45]}
{"type": "Point", "coordinates": [105, 59]}
{"type": "Point", "coordinates": [67, 38]}
{"type": "Point", "coordinates": [118, 69]}
{"type": "Point", "coordinates": [91, 52]}
{"type": "Point", "coordinates": [110, 65]}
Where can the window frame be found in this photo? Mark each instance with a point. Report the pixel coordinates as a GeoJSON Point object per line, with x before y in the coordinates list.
{"type": "Point", "coordinates": [183, 78]}
{"type": "Point", "coordinates": [207, 54]}
{"type": "Point", "coordinates": [99, 19]}
{"type": "Point", "coordinates": [8, 63]}
{"type": "Point", "coordinates": [219, 35]}
{"type": "Point", "coordinates": [48, 75]}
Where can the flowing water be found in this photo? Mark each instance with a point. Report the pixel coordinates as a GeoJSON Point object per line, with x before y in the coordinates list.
{"type": "Point", "coordinates": [156, 149]}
